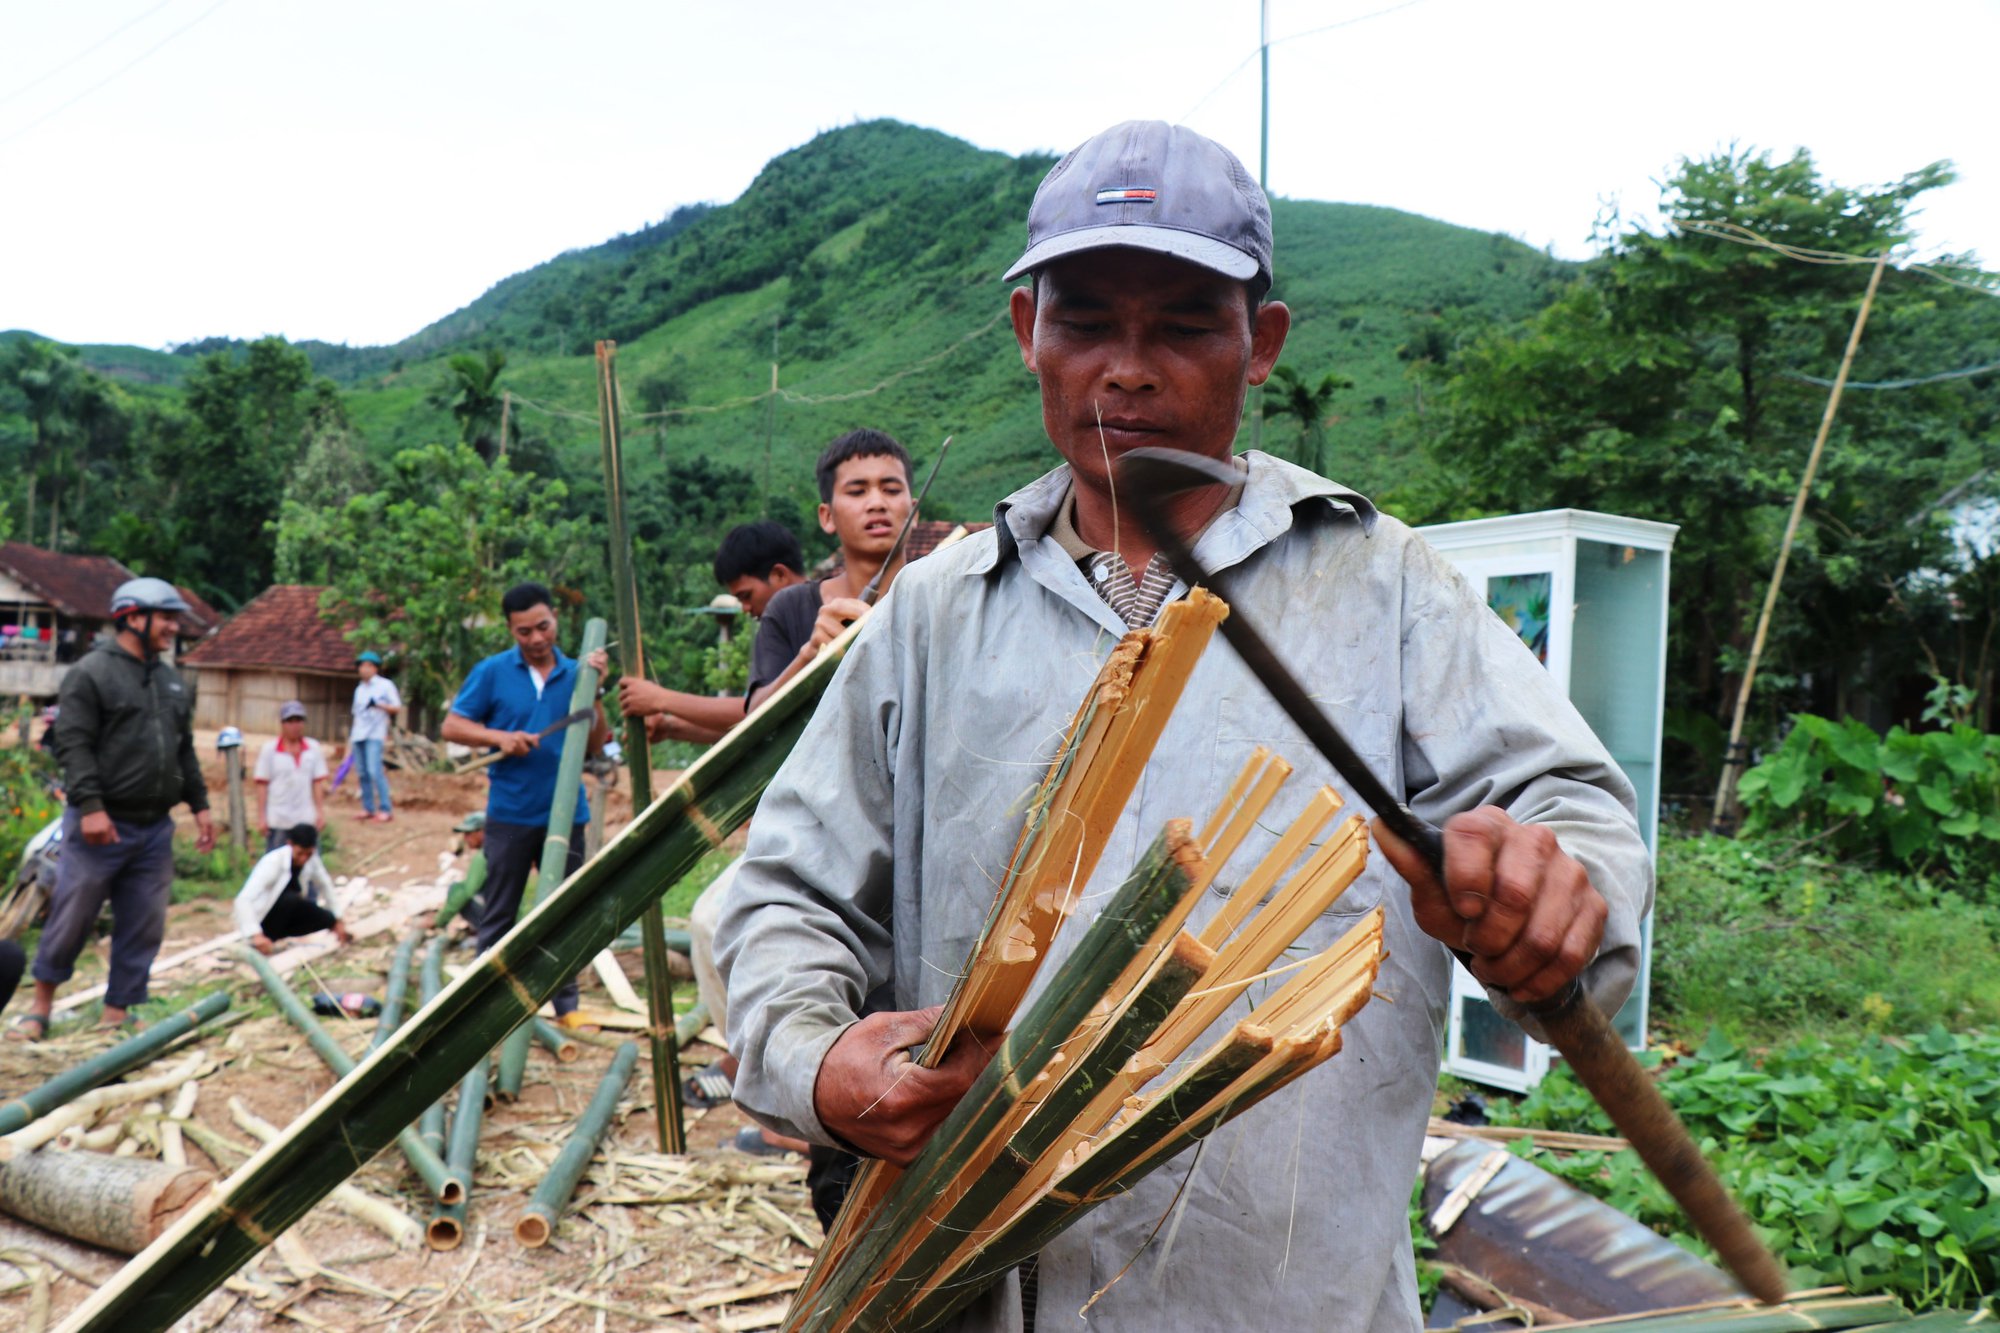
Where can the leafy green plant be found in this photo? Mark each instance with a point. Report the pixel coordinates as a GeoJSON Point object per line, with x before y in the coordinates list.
{"type": "Point", "coordinates": [1876, 1169]}
{"type": "Point", "coordinates": [1922, 800]}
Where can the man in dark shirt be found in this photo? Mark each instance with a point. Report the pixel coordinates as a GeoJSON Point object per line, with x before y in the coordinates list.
{"type": "Point", "coordinates": [125, 739]}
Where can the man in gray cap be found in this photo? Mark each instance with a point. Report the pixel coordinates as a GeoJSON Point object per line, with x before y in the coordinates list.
{"type": "Point", "coordinates": [125, 740]}
{"type": "Point", "coordinates": [869, 868]}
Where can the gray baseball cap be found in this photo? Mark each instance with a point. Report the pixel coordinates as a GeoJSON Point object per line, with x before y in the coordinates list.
{"type": "Point", "coordinates": [1152, 186]}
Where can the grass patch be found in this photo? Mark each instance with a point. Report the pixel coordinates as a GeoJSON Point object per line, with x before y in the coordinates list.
{"type": "Point", "coordinates": [679, 900]}
{"type": "Point", "coordinates": [1771, 943]}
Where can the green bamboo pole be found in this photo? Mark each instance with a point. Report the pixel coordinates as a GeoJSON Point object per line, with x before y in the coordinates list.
{"type": "Point", "coordinates": [421, 1158]}
{"type": "Point", "coordinates": [1125, 927]}
{"type": "Point", "coordinates": [659, 980]}
{"type": "Point", "coordinates": [398, 988]}
{"type": "Point", "coordinates": [462, 892]}
{"type": "Point", "coordinates": [690, 1024]}
{"type": "Point", "coordinates": [430, 1125]}
{"type": "Point", "coordinates": [106, 1065]}
{"type": "Point", "coordinates": [555, 846]}
{"type": "Point", "coordinates": [434, 1048]}
{"type": "Point", "coordinates": [554, 1040]}
{"type": "Point", "coordinates": [538, 1220]}
{"type": "Point", "coordinates": [447, 1224]}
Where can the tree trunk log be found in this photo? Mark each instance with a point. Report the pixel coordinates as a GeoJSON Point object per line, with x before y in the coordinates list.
{"type": "Point", "coordinates": [120, 1203]}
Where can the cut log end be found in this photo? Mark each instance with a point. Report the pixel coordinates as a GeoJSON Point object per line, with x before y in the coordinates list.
{"type": "Point", "coordinates": [452, 1192]}
{"type": "Point", "coordinates": [444, 1233]}
{"type": "Point", "coordinates": [532, 1230]}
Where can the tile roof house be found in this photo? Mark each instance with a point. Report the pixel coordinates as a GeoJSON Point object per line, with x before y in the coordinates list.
{"type": "Point", "coordinates": [54, 604]}
{"type": "Point", "coordinates": [276, 648]}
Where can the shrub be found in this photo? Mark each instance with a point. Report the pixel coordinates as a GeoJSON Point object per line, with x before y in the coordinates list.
{"type": "Point", "coordinates": [1922, 800]}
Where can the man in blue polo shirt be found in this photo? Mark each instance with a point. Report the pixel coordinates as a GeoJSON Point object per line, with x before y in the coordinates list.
{"type": "Point", "coordinates": [506, 700]}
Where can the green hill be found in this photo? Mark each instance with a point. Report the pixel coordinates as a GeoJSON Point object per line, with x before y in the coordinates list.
{"type": "Point", "coordinates": [870, 258]}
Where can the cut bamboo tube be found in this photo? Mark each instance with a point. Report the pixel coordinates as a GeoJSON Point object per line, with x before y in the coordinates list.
{"type": "Point", "coordinates": [666, 1068]}
{"type": "Point", "coordinates": [447, 1224]}
{"type": "Point", "coordinates": [422, 1160]}
{"type": "Point", "coordinates": [106, 1065]}
{"type": "Point", "coordinates": [430, 1125]}
{"type": "Point", "coordinates": [616, 984]}
{"type": "Point", "coordinates": [397, 990]}
{"type": "Point", "coordinates": [555, 1041]}
{"type": "Point", "coordinates": [434, 1048]}
{"type": "Point", "coordinates": [538, 1220]}
{"type": "Point", "coordinates": [555, 845]}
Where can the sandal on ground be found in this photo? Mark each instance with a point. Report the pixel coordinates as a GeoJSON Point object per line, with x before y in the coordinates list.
{"type": "Point", "coordinates": [28, 1027]}
{"type": "Point", "coordinates": [706, 1089]}
{"type": "Point", "coordinates": [576, 1020]}
{"type": "Point", "coordinates": [750, 1139]}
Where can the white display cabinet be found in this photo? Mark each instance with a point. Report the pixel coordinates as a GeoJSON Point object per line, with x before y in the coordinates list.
{"type": "Point", "coordinates": [1588, 594]}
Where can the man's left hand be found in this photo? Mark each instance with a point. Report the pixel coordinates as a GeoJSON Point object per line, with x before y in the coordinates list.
{"type": "Point", "coordinates": [204, 832]}
{"type": "Point", "coordinates": [340, 932]}
{"type": "Point", "coordinates": [833, 619]}
{"type": "Point", "coordinates": [1511, 898]}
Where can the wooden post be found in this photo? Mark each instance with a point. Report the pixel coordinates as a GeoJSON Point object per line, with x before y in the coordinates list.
{"type": "Point", "coordinates": [632, 662]}
{"type": "Point", "coordinates": [506, 410]}
{"type": "Point", "coordinates": [1723, 820]}
{"type": "Point", "coordinates": [239, 832]}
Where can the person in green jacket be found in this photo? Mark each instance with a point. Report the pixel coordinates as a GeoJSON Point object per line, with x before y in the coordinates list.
{"type": "Point", "coordinates": [125, 740]}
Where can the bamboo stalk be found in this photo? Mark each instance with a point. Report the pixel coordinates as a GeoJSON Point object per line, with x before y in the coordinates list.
{"type": "Point", "coordinates": [555, 846]}
{"type": "Point", "coordinates": [555, 1041]}
{"type": "Point", "coordinates": [397, 990]}
{"type": "Point", "coordinates": [538, 1220]}
{"type": "Point", "coordinates": [84, 1109]}
{"type": "Point", "coordinates": [690, 1024]}
{"type": "Point", "coordinates": [101, 1068]}
{"type": "Point", "coordinates": [447, 1224]}
{"type": "Point", "coordinates": [436, 1046]}
{"type": "Point", "coordinates": [422, 1160]}
{"type": "Point", "coordinates": [659, 978]}
{"type": "Point", "coordinates": [430, 1125]}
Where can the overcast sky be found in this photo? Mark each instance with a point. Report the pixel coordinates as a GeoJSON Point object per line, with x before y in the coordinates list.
{"type": "Point", "coordinates": [171, 169]}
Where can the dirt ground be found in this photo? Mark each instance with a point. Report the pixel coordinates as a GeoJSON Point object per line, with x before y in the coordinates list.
{"type": "Point", "coordinates": [709, 1240]}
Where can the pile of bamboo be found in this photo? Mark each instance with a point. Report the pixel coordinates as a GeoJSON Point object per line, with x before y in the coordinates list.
{"type": "Point", "coordinates": [1092, 1086]}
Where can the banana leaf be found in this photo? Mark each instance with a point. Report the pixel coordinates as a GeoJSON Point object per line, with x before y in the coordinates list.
{"type": "Point", "coordinates": [363, 1113]}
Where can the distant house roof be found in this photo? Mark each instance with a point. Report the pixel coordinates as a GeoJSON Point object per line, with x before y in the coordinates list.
{"type": "Point", "coordinates": [926, 535]}
{"type": "Point", "coordinates": [80, 586]}
{"type": "Point", "coordinates": [279, 627]}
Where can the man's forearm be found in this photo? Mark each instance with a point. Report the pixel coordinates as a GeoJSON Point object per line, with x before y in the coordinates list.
{"type": "Point", "coordinates": [464, 731]}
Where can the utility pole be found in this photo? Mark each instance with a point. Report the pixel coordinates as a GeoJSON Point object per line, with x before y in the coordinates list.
{"type": "Point", "coordinates": [1264, 183]}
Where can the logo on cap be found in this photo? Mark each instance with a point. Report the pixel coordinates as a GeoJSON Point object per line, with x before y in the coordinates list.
{"type": "Point", "coordinates": [1127, 195]}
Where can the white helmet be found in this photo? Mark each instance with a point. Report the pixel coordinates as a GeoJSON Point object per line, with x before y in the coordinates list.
{"type": "Point", "coordinates": [146, 595]}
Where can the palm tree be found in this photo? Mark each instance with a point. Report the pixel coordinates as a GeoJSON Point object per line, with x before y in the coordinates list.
{"type": "Point", "coordinates": [1289, 395]}
{"type": "Point", "coordinates": [473, 394]}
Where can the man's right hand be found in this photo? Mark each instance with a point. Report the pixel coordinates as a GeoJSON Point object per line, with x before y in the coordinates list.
{"type": "Point", "coordinates": [98, 830]}
{"type": "Point", "coordinates": [639, 697]}
{"type": "Point", "coordinates": [262, 944]}
{"type": "Point", "coordinates": [514, 744]}
{"type": "Point", "coordinates": [834, 617]}
{"type": "Point", "coordinates": [873, 1096]}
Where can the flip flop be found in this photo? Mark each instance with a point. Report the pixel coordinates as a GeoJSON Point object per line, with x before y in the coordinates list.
{"type": "Point", "coordinates": [19, 1029]}
{"type": "Point", "coordinates": [706, 1089]}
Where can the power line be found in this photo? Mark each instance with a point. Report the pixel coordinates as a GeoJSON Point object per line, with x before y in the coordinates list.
{"type": "Point", "coordinates": [1986, 284]}
{"type": "Point", "coordinates": [1896, 384]}
{"type": "Point", "coordinates": [113, 75]}
{"type": "Point", "coordinates": [90, 50]}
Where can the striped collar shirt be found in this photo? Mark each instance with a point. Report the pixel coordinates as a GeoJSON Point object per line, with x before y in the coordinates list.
{"type": "Point", "coordinates": [1136, 601]}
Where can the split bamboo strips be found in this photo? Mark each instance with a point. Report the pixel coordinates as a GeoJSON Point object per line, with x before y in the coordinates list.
{"type": "Point", "coordinates": [107, 1065]}
{"type": "Point", "coordinates": [538, 1220]}
{"type": "Point", "coordinates": [1092, 776]}
{"type": "Point", "coordinates": [436, 1046]}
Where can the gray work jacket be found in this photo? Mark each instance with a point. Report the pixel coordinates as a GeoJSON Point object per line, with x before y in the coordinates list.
{"type": "Point", "coordinates": [874, 855]}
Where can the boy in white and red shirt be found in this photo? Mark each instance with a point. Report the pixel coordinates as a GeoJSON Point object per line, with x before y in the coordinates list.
{"type": "Point", "coordinates": [292, 772]}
